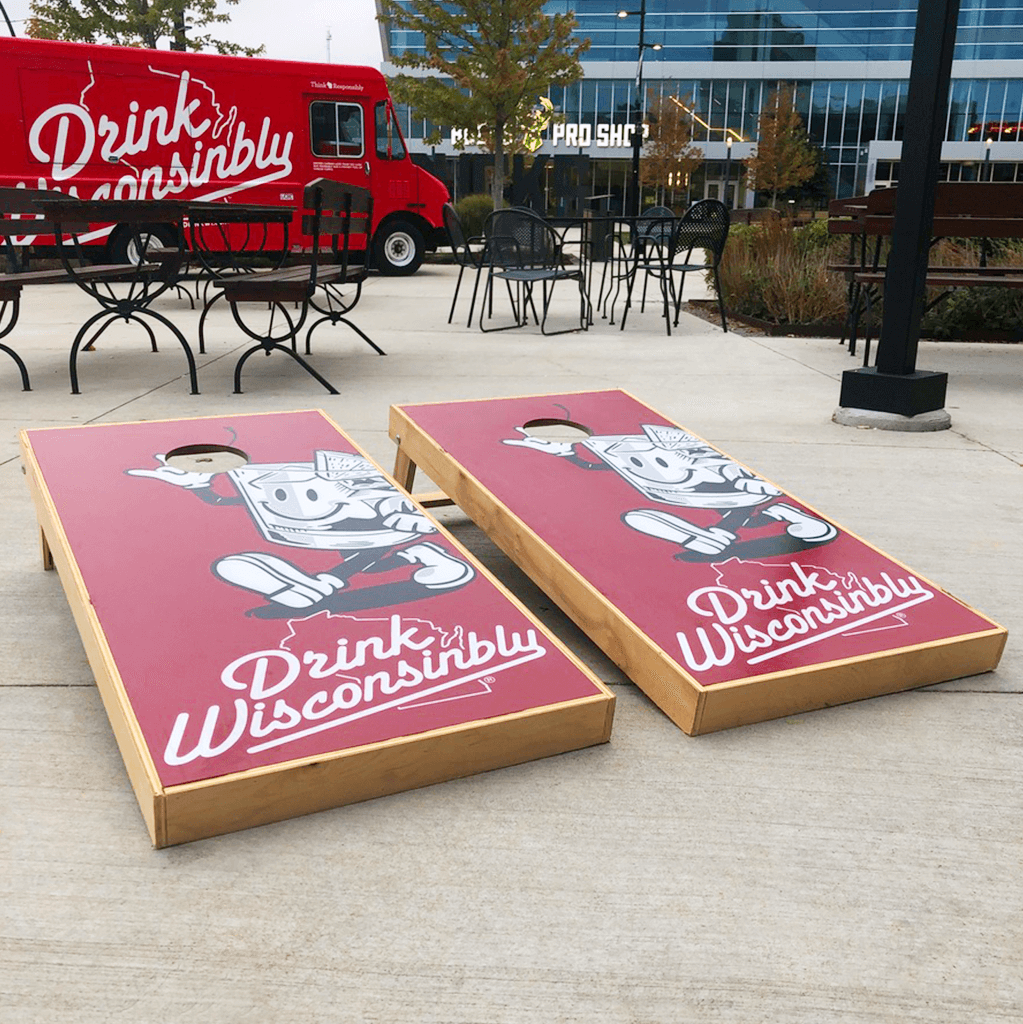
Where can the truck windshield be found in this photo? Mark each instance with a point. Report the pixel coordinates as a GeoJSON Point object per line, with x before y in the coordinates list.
{"type": "Point", "coordinates": [335, 129]}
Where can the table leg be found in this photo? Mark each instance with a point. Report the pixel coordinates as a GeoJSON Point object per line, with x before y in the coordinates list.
{"type": "Point", "coordinates": [404, 469]}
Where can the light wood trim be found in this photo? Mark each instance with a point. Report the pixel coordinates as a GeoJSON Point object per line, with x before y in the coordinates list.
{"type": "Point", "coordinates": [822, 686]}
{"type": "Point", "coordinates": [694, 708]}
{"type": "Point", "coordinates": [137, 760]}
{"type": "Point", "coordinates": [275, 792]}
{"type": "Point", "coordinates": [261, 796]}
{"type": "Point", "coordinates": [487, 574]}
{"type": "Point", "coordinates": [404, 470]}
{"type": "Point", "coordinates": [173, 419]}
{"type": "Point", "coordinates": [432, 499]}
{"type": "Point", "coordinates": [604, 623]}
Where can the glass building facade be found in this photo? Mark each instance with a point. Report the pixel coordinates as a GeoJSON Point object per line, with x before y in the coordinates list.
{"type": "Point", "coordinates": [847, 60]}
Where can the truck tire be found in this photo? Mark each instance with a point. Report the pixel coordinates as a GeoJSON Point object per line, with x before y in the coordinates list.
{"type": "Point", "coordinates": [398, 249]}
{"type": "Point", "coordinates": [122, 248]}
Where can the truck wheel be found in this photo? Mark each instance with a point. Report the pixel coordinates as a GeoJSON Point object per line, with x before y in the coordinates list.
{"type": "Point", "coordinates": [398, 248]}
{"type": "Point", "coordinates": [123, 247]}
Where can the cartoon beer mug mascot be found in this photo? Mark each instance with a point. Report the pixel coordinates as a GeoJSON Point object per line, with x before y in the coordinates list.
{"type": "Point", "coordinates": [669, 466]}
{"type": "Point", "coordinates": [341, 503]}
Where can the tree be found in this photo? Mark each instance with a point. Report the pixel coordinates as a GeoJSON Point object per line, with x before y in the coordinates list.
{"type": "Point", "coordinates": [489, 64]}
{"type": "Point", "coordinates": [669, 158]}
{"type": "Point", "coordinates": [784, 157]}
{"type": "Point", "coordinates": [133, 23]}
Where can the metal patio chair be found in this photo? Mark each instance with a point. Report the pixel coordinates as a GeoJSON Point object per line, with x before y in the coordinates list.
{"type": "Point", "coordinates": [702, 228]}
{"type": "Point", "coordinates": [524, 250]}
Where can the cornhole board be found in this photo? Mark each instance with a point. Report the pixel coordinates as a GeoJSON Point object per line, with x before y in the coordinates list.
{"type": "Point", "coordinates": [724, 598]}
{"type": "Point", "coordinates": [292, 633]}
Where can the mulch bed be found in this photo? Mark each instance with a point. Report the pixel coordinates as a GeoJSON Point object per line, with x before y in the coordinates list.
{"type": "Point", "coordinates": [707, 309]}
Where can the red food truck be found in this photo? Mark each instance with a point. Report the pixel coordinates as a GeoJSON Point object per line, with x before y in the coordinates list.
{"type": "Point", "coordinates": [109, 122]}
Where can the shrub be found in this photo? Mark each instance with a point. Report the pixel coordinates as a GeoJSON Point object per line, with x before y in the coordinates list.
{"type": "Point", "coordinates": [775, 272]}
{"type": "Point", "coordinates": [472, 212]}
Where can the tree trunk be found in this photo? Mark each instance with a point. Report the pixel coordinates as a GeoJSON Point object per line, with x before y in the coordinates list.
{"type": "Point", "coordinates": [497, 183]}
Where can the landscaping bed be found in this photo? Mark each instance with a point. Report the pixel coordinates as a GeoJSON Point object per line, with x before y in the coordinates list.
{"type": "Point", "coordinates": [775, 281]}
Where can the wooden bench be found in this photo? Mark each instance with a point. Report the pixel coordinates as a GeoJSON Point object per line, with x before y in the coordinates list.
{"type": "Point", "coordinates": [340, 213]}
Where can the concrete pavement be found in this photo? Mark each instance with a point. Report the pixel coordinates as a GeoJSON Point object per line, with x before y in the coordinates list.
{"type": "Point", "coordinates": [859, 864]}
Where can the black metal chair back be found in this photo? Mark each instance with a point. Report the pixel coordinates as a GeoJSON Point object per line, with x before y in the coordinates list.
{"type": "Point", "coordinates": [703, 226]}
{"type": "Point", "coordinates": [456, 236]}
{"type": "Point", "coordinates": [655, 224]}
{"type": "Point", "coordinates": [522, 240]}
{"type": "Point", "coordinates": [344, 214]}
{"type": "Point", "coordinates": [465, 255]}
{"type": "Point", "coordinates": [523, 249]}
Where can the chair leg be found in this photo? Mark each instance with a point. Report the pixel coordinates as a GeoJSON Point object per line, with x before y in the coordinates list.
{"type": "Point", "coordinates": [676, 297]}
{"type": "Point", "coordinates": [337, 318]}
{"type": "Point", "coordinates": [631, 277]}
{"type": "Point", "coordinates": [274, 346]}
{"type": "Point", "coordinates": [458, 284]}
{"type": "Point", "coordinates": [721, 301]}
{"type": "Point", "coordinates": [868, 315]}
{"type": "Point", "coordinates": [475, 289]}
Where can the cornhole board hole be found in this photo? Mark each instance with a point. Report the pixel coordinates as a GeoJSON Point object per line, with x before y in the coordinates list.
{"type": "Point", "coordinates": [276, 629]}
{"type": "Point", "coordinates": [724, 598]}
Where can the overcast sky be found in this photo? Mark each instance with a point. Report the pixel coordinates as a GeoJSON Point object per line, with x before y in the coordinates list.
{"type": "Point", "coordinates": [290, 30]}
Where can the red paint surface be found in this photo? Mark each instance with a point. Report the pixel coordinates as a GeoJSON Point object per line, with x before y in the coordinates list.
{"type": "Point", "coordinates": [679, 604]}
{"type": "Point", "coordinates": [104, 122]}
{"type": "Point", "coordinates": [145, 550]}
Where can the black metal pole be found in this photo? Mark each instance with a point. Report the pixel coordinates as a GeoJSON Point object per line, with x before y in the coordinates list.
{"type": "Point", "coordinates": [637, 126]}
{"type": "Point", "coordinates": [896, 386]}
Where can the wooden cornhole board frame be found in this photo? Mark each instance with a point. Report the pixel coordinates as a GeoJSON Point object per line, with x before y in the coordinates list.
{"type": "Point", "coordinates": [715, 639]}
{"type": "Point", "coordinates": [151, 576]}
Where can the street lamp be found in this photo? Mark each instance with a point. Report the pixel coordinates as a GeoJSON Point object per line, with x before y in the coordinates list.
{"type": "Point", "coordinates": [986, 175]}
{"type": "Point", "coordinates": [637, 129]}
{"type": "Point", "coordinates": [728, 169]}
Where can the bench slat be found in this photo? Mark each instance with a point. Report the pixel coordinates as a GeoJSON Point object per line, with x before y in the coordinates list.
{"type": "Point", "coordinates": [950, 280]}
{"type": "Point", "coordinates": [107, 272]}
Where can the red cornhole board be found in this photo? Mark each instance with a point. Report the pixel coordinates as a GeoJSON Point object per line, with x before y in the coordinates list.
{"type": "Point", "coordinates": [290, 634]}
{"type": "Point", "coordinates": [724, 598]}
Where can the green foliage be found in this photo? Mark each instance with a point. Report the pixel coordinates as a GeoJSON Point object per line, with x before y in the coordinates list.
{"type": "Point", "coordinates": [971, 310]}
{"type": "Point", "coordinates": [133, 23]}
{"type": "Point", "coordinates": [472, 212]}
{"type": "Point", "coordinates": [814, 237]}
{"type": "Point", "coordinates": [975, 310]}
{"type": "Point", "coordinates": [488, 64]}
